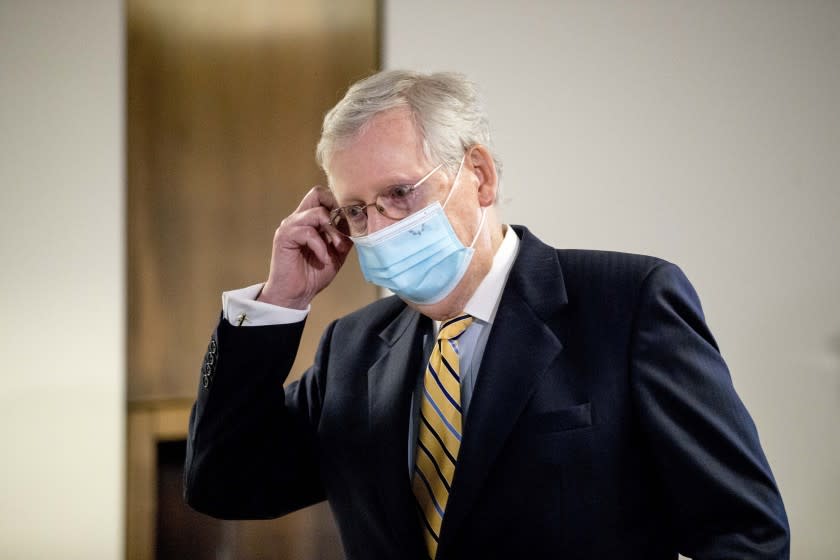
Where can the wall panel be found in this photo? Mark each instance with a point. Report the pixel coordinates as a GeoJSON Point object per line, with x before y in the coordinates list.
{"type": "Point", "coordinates": [224, 108]}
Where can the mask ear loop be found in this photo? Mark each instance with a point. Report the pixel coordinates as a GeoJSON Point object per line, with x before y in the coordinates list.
{"type": "Point", "coordinates": [483, 210]}
{"type": "Point", "coordinates": [480, 225]}
{"type": "Point", "coordinates": [455, 182]}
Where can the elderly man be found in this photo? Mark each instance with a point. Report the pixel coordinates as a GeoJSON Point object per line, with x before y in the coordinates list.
{"type": "Point", "coordinates": [511, 400]}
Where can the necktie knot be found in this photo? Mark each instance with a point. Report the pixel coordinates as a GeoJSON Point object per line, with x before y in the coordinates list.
{"type": "Point", "coordinates": [453, 328]}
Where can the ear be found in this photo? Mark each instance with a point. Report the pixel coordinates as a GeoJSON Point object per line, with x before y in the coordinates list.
{"type": "Point", "coordinates": [480, 162]}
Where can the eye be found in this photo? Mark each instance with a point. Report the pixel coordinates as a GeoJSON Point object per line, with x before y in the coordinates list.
{"type": "Point", "coordinates": [354, 212]}
{"type": "Point", "coordinates": [400, 192]}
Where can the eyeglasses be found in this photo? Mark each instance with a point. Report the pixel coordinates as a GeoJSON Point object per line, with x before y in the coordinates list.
{"type": "Point", "coordinates": [396, 202]}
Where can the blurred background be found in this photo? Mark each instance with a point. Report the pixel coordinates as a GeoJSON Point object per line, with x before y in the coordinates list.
{"type": "Point", "coordinates": [150, 149]}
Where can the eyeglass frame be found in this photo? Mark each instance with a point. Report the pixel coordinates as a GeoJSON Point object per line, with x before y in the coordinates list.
{"type": "Point", "coordinates": [336, 213]}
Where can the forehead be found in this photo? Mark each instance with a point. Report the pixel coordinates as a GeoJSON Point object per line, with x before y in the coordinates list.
{"type": "Point", "coordinates": [388, 151]}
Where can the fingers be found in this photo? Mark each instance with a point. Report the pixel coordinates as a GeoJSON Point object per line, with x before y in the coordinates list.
{"type": "Point", "coordinates": [316, 244]}
{"type": "Point", "coordinates": [336, 238]}
{"type": "Point", "coordinates": [318, 196]}
{"type": "Point", "coordinates": [328, 248]}
{"type": "Point", "coordinates": [310, 228]}
{"type": "Point", "coordinates": [316, 217]}
{"type": "Point", "coordinates": [307, 252]}
{"type": "Point", "coordinates": [314, 212]}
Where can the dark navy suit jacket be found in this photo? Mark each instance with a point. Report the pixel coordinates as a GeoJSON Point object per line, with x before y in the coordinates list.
{"type": "Point", "coordinates": [604, 424]}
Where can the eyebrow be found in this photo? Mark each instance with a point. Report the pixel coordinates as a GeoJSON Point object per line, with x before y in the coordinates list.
{"type": "Point", "coordinates": [352, 201]}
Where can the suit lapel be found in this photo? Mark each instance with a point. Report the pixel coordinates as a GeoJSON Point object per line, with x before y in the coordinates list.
{"type": "Point", "coordinates": [391, 381]}
{"type": "Point", "coordinates": [520, 349]}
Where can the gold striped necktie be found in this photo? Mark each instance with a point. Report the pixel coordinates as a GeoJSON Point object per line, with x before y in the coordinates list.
{"type": "Point", "coordinates": [439, 430]}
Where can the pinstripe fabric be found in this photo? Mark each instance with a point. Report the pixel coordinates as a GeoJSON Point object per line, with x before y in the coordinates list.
{"type": "Point", "coordinates": [439, 433]}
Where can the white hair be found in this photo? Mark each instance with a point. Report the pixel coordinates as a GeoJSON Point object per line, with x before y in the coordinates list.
{"type": "Point", "coordinates": [445, 106]}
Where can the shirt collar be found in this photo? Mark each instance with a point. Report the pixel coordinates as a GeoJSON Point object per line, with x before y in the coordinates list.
{"type": "Point", "coordinates": [485, 301]}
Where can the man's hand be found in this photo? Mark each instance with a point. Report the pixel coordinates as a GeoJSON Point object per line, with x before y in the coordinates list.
{"type": "Point", "coordinates": [307, 253]}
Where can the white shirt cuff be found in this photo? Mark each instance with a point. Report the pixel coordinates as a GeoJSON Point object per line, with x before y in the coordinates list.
{"type": "Point", "coordinates": [241, 309]}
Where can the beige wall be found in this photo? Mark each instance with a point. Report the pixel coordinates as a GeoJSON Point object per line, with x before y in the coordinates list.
{"type": "Point", "coordinates": [61, 279]}
{"type": "Point", "coordinates": [707, 133]}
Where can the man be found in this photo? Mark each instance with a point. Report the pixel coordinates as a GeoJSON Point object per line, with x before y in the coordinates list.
{"type": "Point", "coordinates": [512, 400]}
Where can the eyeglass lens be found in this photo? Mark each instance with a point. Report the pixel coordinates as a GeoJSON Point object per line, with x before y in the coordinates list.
{"type": "Point", "coordinates": [396, 203]}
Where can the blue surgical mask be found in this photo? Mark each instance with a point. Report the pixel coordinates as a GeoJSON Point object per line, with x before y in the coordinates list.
{"type": "Point", "coordinates": [419, 258]}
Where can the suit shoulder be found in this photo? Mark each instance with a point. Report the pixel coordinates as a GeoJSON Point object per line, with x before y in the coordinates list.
{"type": "Point", "coordinates": [612, 276]}
{"type": "Point", "coordinates": [374, 316]}
{"type": "Point", "coordinates": [615, 265]}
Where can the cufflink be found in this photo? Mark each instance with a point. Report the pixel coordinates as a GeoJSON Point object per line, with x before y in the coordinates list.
{"type": "Point", "coordinates": [240, 319]}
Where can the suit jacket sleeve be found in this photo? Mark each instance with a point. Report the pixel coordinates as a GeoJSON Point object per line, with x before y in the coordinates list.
{"type": "Point", "coordinates": [250, 449]}
{"type": "Point", "coordinates": [705, 445]}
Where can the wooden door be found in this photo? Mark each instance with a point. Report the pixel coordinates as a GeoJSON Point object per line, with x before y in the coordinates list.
{"type": "Point", "coordinates": [224, 106]}
{"type": "Point", "coordinates": [225, 102]}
